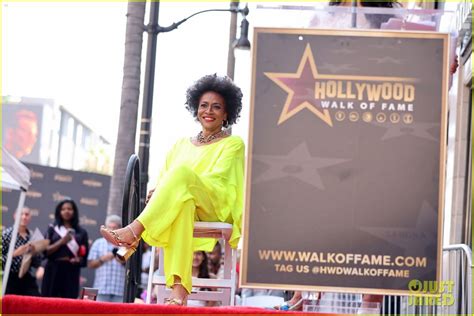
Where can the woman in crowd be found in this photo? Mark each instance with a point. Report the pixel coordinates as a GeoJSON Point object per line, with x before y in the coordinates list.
{"type": "Point", "coordinates": [200, 270]}
{"type": "Point", "coordinates": [18, 284]}
{"type": "Point", "coordinates": [202, 180]}
{"type": "Point", "coordinates": [216, 266]}
{"type": "Point", "coordinates": [66, 253]}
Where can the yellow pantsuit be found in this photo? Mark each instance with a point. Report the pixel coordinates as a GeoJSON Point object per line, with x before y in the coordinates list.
{"type": "Point", "coordinates": [197, 183]}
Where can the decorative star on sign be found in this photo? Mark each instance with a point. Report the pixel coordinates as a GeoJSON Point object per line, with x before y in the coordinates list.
{"type": "Point", "coordinates": [420, 130]}
{"type": "Point", "coordinates": [298, 164]}
{"type": "Point", "coordinates": [419, 238]}
{"type": "Point", "coordinates": [300, 89]}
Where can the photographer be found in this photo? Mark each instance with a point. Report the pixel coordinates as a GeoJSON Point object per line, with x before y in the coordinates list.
{"type": "Point", "coordinates": [110, 272]}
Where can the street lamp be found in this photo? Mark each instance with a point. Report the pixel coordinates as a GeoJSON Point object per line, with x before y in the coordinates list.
{"type": "Point", "coordinates": [243, 42]}
{"type": "Point", "coordinates": [153, 29]}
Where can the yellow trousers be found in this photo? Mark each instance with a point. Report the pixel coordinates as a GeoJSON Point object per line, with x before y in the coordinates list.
{"type": "Point", "coordinates": [179, 200]}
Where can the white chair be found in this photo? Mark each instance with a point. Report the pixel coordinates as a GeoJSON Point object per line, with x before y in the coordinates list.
{"type": "Point", "coordinates": [224, 288]}
{"type": "Point", "coordinates": [268, 301]}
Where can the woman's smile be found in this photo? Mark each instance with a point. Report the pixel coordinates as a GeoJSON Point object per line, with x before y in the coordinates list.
{"type": "Point", "coordinates": [211, 112]}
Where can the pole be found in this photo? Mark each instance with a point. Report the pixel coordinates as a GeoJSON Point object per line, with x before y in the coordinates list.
{"type": "Point", "coordinates": [232, 32]}
{"type": "Point", "coordinates": [354, 14]}
{"type": "Point", "coordinates": [133, 267]}
{"type": "Point", "coordinates": [147, 106]}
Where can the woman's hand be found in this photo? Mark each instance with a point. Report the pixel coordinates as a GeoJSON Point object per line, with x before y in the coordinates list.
{"type": "Point", "coordinates": [75, 260]}
{"type": "Point", "coordinates": [107, 257]}
{"type": "Point", "coordinates": [148, 197]}
{"type": "Point", "coordinates": [67, 238]}
{"type": "Point", "coordinates": [52, 248]}
{"type": "Point", "coordinates": [20, 251]}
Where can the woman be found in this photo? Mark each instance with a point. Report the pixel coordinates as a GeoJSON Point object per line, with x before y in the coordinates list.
{"type": "Point", "coordinates": [66, 253]}
{"type": "Point", "coordinates": [200, 270]}
{"type": "Point", "coordinates": [26, 284]}
{"type": "Point", "coordinates": [202, 180]}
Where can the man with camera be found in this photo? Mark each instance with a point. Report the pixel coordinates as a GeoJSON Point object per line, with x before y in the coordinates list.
{"type": "Point", "coordinates": [109, 271]}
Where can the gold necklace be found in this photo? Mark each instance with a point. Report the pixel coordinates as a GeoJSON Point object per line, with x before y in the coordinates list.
{"type": "Point", "coordinates": [203, 140]}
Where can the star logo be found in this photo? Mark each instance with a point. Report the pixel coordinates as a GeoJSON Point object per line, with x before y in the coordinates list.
{"type": "Point", "coordinates": [420, 130]}
{"type": "Point", "coordinates": [420, 238]}
{"type": "Point", "coordinates": [300, 89]}
{"type": "Point", "coordinates": [301, 84]}
{"type": "Point", "coordinates": [297, 164]}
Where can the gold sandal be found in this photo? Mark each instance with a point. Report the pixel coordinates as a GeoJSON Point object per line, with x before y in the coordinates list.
{"type": "Point", "coordinates": [124, 253]}
{"type": "Point", "coordinates": [114, 238]}
{"type": "Point", "coordinates": [175, 301]}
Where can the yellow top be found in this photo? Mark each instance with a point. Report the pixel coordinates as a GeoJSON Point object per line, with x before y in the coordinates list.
{"type": "Point", "coordinates": [220, 167]}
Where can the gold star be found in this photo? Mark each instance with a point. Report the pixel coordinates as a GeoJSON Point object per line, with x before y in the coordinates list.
{"type": "Point", "coordinates": [299, 86]}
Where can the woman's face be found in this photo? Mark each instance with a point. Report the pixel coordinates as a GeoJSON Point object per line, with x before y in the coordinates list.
{"type": "Point", "coordinates": [198, 258]}
{"type": "Point", "coordinates": [25, 217]}
{"type": "Point", "coordinates": [67, 212]}
{"type": "Point", "coordinates": [211, 111]}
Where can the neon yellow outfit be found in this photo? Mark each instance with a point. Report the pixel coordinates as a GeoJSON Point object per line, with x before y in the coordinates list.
{"type": "Point", "coordinates": [197, 183]}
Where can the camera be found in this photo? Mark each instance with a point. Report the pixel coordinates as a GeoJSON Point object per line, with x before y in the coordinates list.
{"type": "Point", "coordinates": [114, 251]}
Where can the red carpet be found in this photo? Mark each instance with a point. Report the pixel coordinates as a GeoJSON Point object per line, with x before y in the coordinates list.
{"type": "Point", "coordinates": [15, 305]}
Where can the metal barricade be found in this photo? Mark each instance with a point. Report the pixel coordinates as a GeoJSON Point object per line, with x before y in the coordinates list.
{"type": "Point", "coordinates": [457, 271]}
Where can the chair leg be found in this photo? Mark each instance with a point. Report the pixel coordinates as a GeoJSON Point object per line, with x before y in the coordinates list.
{"type": "Point", "coordinates": [161, 294]}
{"type": "Point", "coordinates": [230, 263]}
{"type": "Point", "coordinates": [233, 276]}
{"type": "Point", "coordinates": [227, 300]}
{"type": "Point", "coordinates": [149, 287]}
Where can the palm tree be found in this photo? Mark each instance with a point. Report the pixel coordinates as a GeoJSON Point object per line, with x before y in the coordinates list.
{"type": "Point", "coordinates": [129, 102]}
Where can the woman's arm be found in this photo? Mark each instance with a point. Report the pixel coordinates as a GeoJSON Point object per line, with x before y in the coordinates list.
{"type": "Point", "coordinates": [20, 251]}
{"type": "Point", "coordinates": [52, 248]}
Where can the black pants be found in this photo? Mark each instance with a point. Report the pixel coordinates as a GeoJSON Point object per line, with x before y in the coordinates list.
{"type": "Point", "coordinates": [22, 286]}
